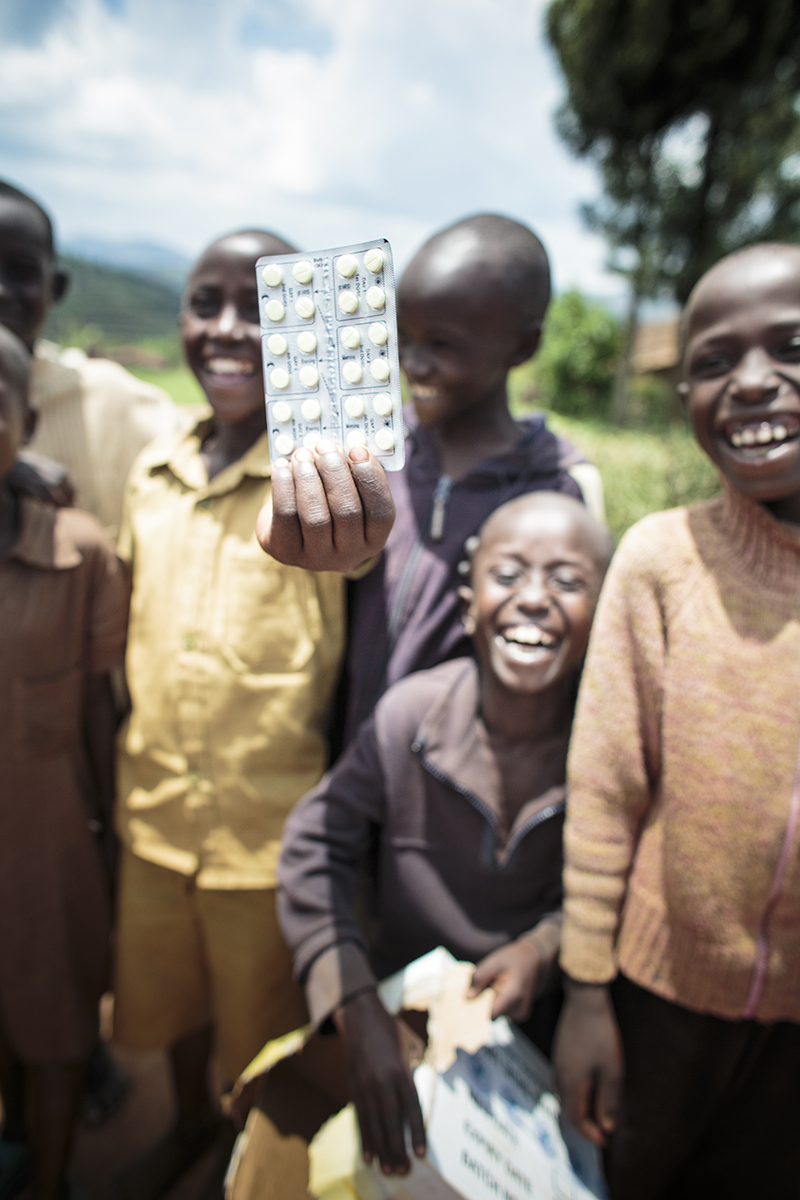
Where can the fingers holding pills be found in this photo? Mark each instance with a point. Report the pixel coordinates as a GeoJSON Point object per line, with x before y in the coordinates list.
{"type": "Point", "coordinates": [330, 510]}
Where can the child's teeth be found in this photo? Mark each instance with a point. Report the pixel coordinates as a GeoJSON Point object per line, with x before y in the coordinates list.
{"type": "Point", "coordinates": [736, 438]}
{"type": "Point", "coordinates": [779, 432]}
{"type": "Point", "coordinates": [529, 635]}
{"type": "Point", "coordinates": [748, 437]}
{"type": "Point", "coordinates": [764, 433]}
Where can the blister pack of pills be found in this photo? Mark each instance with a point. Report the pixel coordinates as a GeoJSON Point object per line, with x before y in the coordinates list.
{"type": "Point", "coordinates": [329, 340]}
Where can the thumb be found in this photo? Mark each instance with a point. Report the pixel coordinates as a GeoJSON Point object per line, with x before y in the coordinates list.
{"type": "Point", "coordinates": [482, 977]}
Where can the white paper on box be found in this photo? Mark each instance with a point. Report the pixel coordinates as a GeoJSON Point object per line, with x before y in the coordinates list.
{"type": "Point", "coordinates": [493, 1124]}
{"type": "Point", "coordinates": [333, 369]}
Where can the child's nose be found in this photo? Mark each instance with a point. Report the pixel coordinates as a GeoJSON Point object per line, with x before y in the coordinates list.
{"type": "Point", "coordinates": [228, 320]}
{"type": "Point", "coordinates": [754, 376]}
{"type": "Point", "coordinates": [533, 596]}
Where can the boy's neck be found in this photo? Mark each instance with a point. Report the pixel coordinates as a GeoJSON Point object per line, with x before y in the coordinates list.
{"type": "Point", "coordinates": [227, 442]}
{"type": "Point", "coordinates": [9, 519]}
{"type": "Point", "coordinates": [786, 509]}
{"type": "Point", "coordinates": [480, 433]}
{"type": "Point", "coordinates": [513, 717]}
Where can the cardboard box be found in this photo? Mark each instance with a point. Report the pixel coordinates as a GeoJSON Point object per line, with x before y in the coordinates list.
{"type": "Point", "coordinates": [493, 1124]}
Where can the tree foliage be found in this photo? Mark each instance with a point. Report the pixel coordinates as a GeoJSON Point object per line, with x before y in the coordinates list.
{"type": "Point", "coordinates": [690, 109]}
{"type": "Point", "coordinates": [574, 369]}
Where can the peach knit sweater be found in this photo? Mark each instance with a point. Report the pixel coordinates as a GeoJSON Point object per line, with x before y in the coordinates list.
{"type": "Point", "coordinates": [683, 818]}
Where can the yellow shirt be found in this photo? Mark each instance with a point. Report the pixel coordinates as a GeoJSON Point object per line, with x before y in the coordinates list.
{"type": "Point", "coordinates": [232, 659]}
{"type": "Point", "coordinates": [94, 418]}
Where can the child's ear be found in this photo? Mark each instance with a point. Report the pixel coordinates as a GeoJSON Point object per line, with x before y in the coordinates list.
{"type": "Point", "coordinates": [466, 595]}
{"type": "Point", "coordinates": [527, 344]}
{"type": "Point", "coordinates": [683, 392]}
{"type": "Point", "coordinates": [59, 285]}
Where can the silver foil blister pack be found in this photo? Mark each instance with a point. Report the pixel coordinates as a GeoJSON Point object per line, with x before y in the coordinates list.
{"type": "Point", "coordinates": [329, 342]}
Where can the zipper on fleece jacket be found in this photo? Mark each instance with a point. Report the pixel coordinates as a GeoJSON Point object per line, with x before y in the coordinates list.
{"type": "Point", "coordinates": [502, 860]}
{"type": "Point", "coordinates": [433, 533]}
{"type": "Point", "coordinates": [762, 942]}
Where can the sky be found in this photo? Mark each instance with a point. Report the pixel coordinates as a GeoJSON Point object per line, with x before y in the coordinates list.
{"type": "Point", "coordinates": [329, 121]}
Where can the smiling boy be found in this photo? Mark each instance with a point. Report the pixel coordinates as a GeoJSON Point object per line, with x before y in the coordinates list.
{"type": "Point", "coordinates": [454, 792]}
{"type": "Point", "coordinates": [682, 877]}
{"type": "Point", "coordinates": [471, 305]}
{"type": "Point", "coordinates": [232, 657]}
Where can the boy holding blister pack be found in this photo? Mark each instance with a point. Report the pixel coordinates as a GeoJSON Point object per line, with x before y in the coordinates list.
{"type": "Point", "coordinates": [470, 306]}
{"type": "Point", "coordinates": [232, 658]}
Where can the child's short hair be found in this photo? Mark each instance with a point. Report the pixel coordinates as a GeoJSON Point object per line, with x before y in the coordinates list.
{"type": "Point", "coordinates": [513, 253]}
{"type": "Point", "coordinates": [10, 192]}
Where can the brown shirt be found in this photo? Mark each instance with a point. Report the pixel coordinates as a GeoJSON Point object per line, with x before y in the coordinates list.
{"type": "Point", "coordinates": [417, 796]}
{"type": "Point", "coordinates": [63, 608]}
{"type": "Point", "coordinates": [232, 658]}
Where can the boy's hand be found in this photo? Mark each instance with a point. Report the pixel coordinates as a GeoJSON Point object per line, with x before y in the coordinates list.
{"type": "Point", "coordinates": [588, 1061]}
{"type": "Point", "coordinates": [330, 510]}
{"type": "Point", "coordinates": [380, 1083]}
{"type": "Point", "coordinates": [512, 971]}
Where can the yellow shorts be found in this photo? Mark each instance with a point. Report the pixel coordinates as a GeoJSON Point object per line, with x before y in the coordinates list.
{"type": "Point", "coordinates": [189, 956]}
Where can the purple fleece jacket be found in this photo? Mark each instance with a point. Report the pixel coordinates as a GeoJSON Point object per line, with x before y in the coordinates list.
{"type": "Point", "coordinates": [406, 614]}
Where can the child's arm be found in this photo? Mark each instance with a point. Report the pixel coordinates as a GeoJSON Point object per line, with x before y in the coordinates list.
{"type": "Point", "coordinates": [330, 511]}
{"type": "Point", "coordinates": [326, 838]}
{"type": "Point", "coordinates": [614, 767]}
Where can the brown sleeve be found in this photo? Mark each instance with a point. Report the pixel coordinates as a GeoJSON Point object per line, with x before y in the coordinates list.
{"type": "Point", "coordinates": [326, 838]}
{"type": "Point", "coordinates": [108, 613]}
{"type": "Point", "coordinates": [614, 761]}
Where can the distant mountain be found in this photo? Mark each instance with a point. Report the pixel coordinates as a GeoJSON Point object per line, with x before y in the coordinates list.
{"type": "Point", "coordinates": [145, 258]}
{"type": "Point", "coordinates": [121, 306]}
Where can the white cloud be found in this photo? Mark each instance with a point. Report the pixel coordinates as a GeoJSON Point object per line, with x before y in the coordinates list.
{"type": "Point", "coordinates": [329, 120]}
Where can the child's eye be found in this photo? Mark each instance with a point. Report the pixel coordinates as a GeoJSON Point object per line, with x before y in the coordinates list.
{"type": "Point", "coordinates": [790, 349]}
{"type": "Point", "coordinates": [707, 366]}
{"type": "Point", "coordinates": [564, 581]}
{"type": "Point", "coordinates": [506, 576]}
{"type": "Point", "coordinates": [203, 306]}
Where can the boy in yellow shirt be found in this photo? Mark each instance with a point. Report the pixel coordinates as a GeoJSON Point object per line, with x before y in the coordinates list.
{"type": "Point", "coordinates": [232, 658]}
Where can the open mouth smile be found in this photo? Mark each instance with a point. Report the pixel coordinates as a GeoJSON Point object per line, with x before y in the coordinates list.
{"type": "Point", "coordinates": [757, 436]}
{"type": "Point", "coordinates": [527, 643]}
{"type": "Point", "coordinates": [228, 367]}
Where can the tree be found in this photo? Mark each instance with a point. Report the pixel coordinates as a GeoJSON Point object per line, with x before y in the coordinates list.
{"type": "Point", "coordinates": [690, 110]}
{"type": "Point", "coordinates": [574, 369]}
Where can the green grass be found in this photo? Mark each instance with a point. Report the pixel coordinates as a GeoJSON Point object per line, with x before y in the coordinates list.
{"type": "Point", "coordinates": [642, 471]}
{"type": "Point", "coordinates": [178, 381]}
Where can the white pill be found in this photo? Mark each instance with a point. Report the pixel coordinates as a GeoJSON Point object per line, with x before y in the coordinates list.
{"type": "Point", "coordinates": [303, 271]}
{"type": "Point", "coordinates": [354, 407]}
{"type": "Point", "coordinates": [373, 260]}
{"type": "Point", "coordinates": [306, 342]}
{"type": "Point", "coordinates": [351, 337]}
{"type": "Point", "coordinates": [279, 378]}
{"type": "Point", "coordinates": [274, 310]}
{"type": "Point", "coordinates": [348, 301]}
{"type": "Point", "coordinates": [382, 404]}
{"type": "Point", "coordinates": [277, 343]}
{"type": "Point", "coordinates": [272, 274]}
{"type": "Point", "coordinates": [376, 297]}
{"type": "Point", "coordinates": [378, 333]}
{"type": "Point", "coordinates": [352, 372]}
{"type": "Point", "coordinates": [379, 369]}
{"type": "Point", "coordinates": [309, 376]}
{"type": "Point", "coordinates": [282, 411]}
{"type": "Point", "coordinates": [284, 444]}
{"type": "Point", "coordinates": [311, 410]}
{"type": "Point", "coordinates": [305, 308]}
{"type": "Point", "coordinates": [347, 266]}
{"type": "Point", "coordinates": [311, 439]}
{"type": "Point", "coordinates": [384, 440]}
{"type": "Point", "coordinates": [355, 438]}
